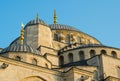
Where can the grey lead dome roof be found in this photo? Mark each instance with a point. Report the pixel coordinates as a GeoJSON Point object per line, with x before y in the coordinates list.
{"type": "Point", "coordinates": [62, 27]}
{"type": "Point", "coordinates": [36, 21]}
{"type": "Point", "coordinates": [20, 48]}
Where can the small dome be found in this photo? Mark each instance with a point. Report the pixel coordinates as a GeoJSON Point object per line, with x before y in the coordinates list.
{"type": "Point", "coordinates": [20, 48]}
{"type": "Point", "coordinates": [62, 27]}
{"type": "Point", "coordinates": [36, 21]}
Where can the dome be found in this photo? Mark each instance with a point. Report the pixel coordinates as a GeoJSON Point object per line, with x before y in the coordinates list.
{"type": "Point", "coordinates": [20, 48]}
{"type": "Point", "coordinates": [36, 21]}
{"type": "Point", "coordinates": [62, 27]}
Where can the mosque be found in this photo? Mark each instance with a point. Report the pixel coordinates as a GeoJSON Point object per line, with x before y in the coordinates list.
{"type": "Point", "coordinates": [57, 52]}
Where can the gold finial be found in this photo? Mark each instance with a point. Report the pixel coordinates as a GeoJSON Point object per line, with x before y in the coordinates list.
{"type": "Point", "coordinates": [55, 17]}
{"type": "Point", "coordinates": [22, 34]}
{"type": "Point", "coordinates": [37, 17]}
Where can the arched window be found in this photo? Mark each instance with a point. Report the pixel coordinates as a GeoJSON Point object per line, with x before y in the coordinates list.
{"type": "Point", "coordinates": [72, 40]}
{"type": "Point", "coordinates": [61, 60]}
{"type": "Point", "coordinates": [103, 52]}
{"type": "Point", "coordinates": [34, 61]}
{"type": "Point", "coordinates": [70, 57]}
{"type": "Point", "coordinates": [18, 58]}
{"type": "Point", "coordinates": [68, 39]}
{"type": "Point", "coordinates": [79, 39]}
{"type": "Point", "coordinates": [92, 53]}
{"type": "Point", "coordinates": [81, 55]}
{"type": "Point", "coordinates": [113, 53]}
{"type": "Point", "coordinates": [56, 37]}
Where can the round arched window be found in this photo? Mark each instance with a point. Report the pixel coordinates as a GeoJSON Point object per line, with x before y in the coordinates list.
{"type": "Point", "coordinates": [70, 57]}
{"type": "Point", "coordinates": [103, 52]}
{"type": "Point", "coordinates": [114, 54]}
{"type": "Point", "coordinates": [92, 53]}
{"type": "Point", "coordinates": [81, 55]}
{"type": "Point", "coordinates": [18, 58]}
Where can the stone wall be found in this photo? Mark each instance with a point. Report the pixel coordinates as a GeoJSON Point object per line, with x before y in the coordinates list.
{"type": "Point", "coordinates": [18, 71]}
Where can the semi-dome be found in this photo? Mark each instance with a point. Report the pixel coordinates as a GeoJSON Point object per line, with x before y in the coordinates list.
{"type": "Point", "coordinates": [62, 27]}
{"type": "Point", "coordinates": [20, 48]}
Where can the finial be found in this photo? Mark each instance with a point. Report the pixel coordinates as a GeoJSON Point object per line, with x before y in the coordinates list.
{"type": "Point", "coordinates": [37, 18]}
{"type": "Point", "coordinates": [55, 17]}
{"type": "Point", "coordinates": [22, 25]}
{"type": "Point", "coordinates": [22, 34]}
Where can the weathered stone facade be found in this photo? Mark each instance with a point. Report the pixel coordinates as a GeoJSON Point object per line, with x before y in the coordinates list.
{"type": "Point", "coordinates": [58, 53]}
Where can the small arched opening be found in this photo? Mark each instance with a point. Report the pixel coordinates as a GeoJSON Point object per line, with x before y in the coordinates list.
{"type": "Point", "coordinates": [81, 55]}
{"type": "Point", "coordinates": [103, 52]}
{"type": "Point", "coordinates": [18, 58]}
{"type": "Point", "coordinates": [70, 57]}
{"type": "Point", "coordinates": [114, 54]}
{"type": "Point", "coordinates": [92, 53]}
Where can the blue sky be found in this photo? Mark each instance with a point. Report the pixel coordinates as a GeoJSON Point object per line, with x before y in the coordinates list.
{"type": "Point", "coordinates": [99, 18]}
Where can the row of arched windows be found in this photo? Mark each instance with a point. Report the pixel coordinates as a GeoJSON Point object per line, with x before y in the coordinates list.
{"type": "Point", "coordinates": [82, 56]}
{"type": "Point", "coordinates": [57, 37]}
{"type": "Point", "coordinates": [69, 38]}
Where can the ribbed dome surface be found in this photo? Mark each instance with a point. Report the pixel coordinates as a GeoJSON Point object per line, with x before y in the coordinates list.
{"type": "Point", "coordinates": [62, 27]}
{"type": "Point", "coordinates": [20, 48]}
{"type": "Point", "coordinates": [33, 22]}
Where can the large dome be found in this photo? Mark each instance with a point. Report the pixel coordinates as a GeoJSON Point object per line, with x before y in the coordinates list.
{"type": "Point", "coordinates": [20, 48]}
{"type": "Point", "coordinates": [70, 28]}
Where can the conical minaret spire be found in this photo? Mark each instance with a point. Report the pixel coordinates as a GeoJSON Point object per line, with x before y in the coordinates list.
{"type": "Point", "coordinates": [22, 34]}
{"type": "Point", "coordinates": [55, 17]}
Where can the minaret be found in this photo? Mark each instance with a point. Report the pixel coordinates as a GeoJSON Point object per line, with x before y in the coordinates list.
{"type": "Point", "coordinates": [55, 17]}
{"type": "Point", "coordinates": [22, 34]}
